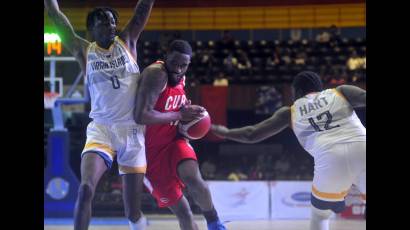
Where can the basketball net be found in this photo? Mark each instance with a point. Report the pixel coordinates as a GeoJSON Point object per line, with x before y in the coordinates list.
{"type": "Point", "coordinates": [49, 99]}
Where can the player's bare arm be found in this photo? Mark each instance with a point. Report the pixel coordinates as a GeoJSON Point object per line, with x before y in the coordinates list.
{"type": "Point", "coordinates": [74, 43]}
{"type": "Point", "coordinates": [355, 95]}
{"type": "Point", "coordinates": [259, 132]}
{"type": "Point", "coordinates": [136, 25]}
{"type": "Point", "coordinates": [153, 81]}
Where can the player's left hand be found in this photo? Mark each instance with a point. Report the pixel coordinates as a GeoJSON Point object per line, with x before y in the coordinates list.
{"type": "Point", "coordinates": [196, 108]}
{"type": "Point", "coordinates": [191, 112]}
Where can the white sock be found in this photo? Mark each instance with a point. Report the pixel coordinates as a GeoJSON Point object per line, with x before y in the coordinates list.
{"type": "Point", "coordinates": [319, 219]}
{"type": "Point", "coordinates": [141, 224]}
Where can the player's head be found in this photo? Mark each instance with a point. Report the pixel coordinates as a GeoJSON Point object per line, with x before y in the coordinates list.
{"type": "Point", "coordinates": [306, 82]}
{"type": "Point", "coordinates": [102, 23]}
{"type": "Point", "coordinates": [177, 60]}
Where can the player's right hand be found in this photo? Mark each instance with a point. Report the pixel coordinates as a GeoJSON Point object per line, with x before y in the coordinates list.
{"type": "Point", "coordinates": [191, 112]}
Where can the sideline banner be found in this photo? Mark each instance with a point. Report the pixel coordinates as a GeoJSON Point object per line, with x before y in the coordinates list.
{"type": "Point", "coordinates": [244, 200]}
{"type": "Point", "coordinates": [290, 199]}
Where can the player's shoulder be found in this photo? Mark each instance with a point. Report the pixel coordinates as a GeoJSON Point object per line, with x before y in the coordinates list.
{"type": "Point", "coordinates": [346, 88]}
{"type": "Point", "coordinates": [155, 69]}
{"type": "Point", "coordinates": [330, 93]}
{"type": "Point", "coordinates": [155, 76]}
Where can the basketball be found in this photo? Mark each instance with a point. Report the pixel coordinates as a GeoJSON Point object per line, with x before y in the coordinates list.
{"type": "Point", "coordinates": [195, 129]}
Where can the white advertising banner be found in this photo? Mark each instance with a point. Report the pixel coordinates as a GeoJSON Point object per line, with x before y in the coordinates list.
{"type": "Point", "coordinates": [290, 199]}
{"type": "Point", "coordinates": [244, 200]}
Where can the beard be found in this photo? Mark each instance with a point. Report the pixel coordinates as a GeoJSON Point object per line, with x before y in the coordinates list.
{"type": "Point", "coordinates": [173, 79]}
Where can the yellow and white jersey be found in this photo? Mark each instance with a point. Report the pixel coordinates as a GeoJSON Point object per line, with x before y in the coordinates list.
{"type": "Point", "coordinates": [320, 120]}
{"type": "Point", "coordinates": [112, 77]}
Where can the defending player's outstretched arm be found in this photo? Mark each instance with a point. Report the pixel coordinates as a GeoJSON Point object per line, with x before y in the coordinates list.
{"type": "Point", "coordinates": [354, 95]}
{"type": "Point", "coordinates": [259, 132]}
{"type": "Point", "coordinates": [74, 43]}
{"type": "Point", "coordinates": [138, 21]}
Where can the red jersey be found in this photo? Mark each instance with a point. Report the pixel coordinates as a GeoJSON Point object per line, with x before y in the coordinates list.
{"type": "Point", "coordinates": [170, 100]}
{"type": "Point", "coordinates": [165, 149]}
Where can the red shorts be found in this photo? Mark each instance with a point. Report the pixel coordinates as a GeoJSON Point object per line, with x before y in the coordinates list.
{"type": "Point", "coordinates": [161, 177]}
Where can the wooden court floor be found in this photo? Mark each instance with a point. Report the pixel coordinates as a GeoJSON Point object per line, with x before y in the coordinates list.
{"type": "Point", "coordinates": [172, 224]}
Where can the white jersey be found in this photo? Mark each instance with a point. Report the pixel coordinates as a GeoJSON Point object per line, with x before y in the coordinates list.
{"type": "Point", "coordinates": [112, 77]}
{"type": "Point", "coordinates": [320, 120]}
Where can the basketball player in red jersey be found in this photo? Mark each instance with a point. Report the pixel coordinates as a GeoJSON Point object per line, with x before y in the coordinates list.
{"type": "Point", "coordinates": [172, 164]}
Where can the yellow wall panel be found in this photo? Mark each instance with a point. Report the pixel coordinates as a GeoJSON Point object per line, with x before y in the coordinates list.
{"type": "Point", "coordinates": [311, 16]}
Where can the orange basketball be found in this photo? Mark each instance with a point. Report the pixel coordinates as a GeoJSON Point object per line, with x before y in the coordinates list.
{"type": "Point", "coordinates": [196, 129]}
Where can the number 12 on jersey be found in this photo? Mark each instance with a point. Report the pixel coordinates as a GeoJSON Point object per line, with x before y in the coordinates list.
{"type": "Point", "coordinates": [327, 122]}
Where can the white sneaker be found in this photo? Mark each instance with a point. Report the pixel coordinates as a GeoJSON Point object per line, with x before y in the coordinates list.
{"type": "Point", "coordinates": [141, 224]}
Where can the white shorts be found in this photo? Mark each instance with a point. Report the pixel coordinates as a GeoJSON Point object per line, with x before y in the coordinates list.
{"type": "Point", "coordinates": [124, 141]}
{"type": "Point", "coordinates": [337, 168]}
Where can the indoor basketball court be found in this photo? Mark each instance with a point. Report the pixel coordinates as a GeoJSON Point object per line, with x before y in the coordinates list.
{"type": "Point", "coordinates": [172, 224]}
{"type": "Point", "coordinates": [245, 56]}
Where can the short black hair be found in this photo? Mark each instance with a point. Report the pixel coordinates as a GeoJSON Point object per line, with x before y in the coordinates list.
{"type": "Point", "coordinates": [307, 81]}
{"type": "Point", "coordinates": [99, 12]}
{"type": "Point", "coordinates": [181, 46]}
